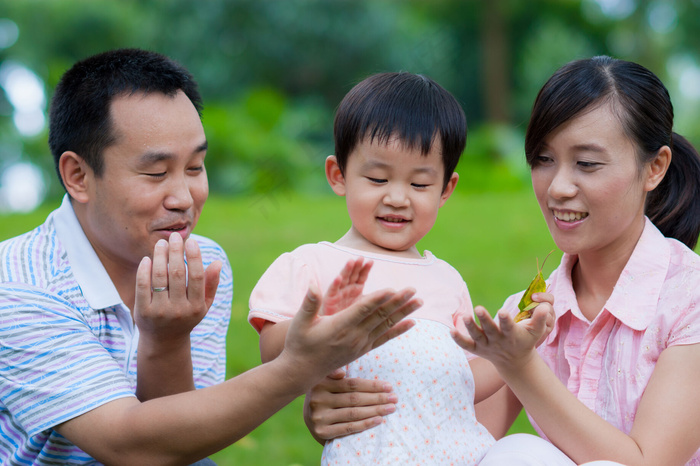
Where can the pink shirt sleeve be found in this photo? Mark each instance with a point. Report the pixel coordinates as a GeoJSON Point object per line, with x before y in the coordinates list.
{"type": "Point", "coordinates": [280, 291]}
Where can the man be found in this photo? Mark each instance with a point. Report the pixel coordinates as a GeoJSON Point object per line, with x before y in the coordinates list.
{"type": "Point", "coordinates": [106, 330]}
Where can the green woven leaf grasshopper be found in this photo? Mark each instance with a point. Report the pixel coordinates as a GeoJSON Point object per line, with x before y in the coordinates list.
{"type": "Point", "coordinates": [537, 285]}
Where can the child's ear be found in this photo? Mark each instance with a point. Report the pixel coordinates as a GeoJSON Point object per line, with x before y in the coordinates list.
{"type": "Point", "coordinates": [76, 175]}
{"type": "Point", "coordinates": [335, 176]}
{"type": "Point", "coordinates": [449, 188]}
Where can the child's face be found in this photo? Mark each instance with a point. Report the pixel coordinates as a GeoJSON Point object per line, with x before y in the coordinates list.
{"type": "Point", "coordinates": [392, 193]}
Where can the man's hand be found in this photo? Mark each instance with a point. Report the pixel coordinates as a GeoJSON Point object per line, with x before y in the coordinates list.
{"type": "Point", "coordinates": [317, 345]}
{"type": "Point", "coordinates": [171, 299]}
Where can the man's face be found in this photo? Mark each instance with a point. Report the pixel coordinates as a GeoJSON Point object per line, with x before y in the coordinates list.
{"type": "Point", "coordinates": [153, 183]}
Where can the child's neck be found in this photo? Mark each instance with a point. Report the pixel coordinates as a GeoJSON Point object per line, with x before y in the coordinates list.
{"type": "Point", "coordinates": [353, 240]}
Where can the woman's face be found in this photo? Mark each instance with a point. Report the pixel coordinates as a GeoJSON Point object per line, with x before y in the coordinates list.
{"type": "Point", "coordinates": [589, 186]}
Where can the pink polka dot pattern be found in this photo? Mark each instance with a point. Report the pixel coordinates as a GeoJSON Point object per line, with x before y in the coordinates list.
{"type": "Point", "coordinates": [434, 422]}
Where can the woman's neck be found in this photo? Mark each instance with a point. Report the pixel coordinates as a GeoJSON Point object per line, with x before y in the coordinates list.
{"type": "Point", "coordinates": [596, 273]}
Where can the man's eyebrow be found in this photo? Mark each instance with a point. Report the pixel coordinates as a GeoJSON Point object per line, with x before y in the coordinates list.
{"type": "Point", "coordinates": [148, 158]}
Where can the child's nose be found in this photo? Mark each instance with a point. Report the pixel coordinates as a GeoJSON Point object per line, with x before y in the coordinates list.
{"type": "Point", "coordinates": [396, 196]}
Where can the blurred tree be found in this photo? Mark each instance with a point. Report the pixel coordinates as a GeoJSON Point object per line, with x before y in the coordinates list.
{"type": "Point", "coordinates": [271, 72]}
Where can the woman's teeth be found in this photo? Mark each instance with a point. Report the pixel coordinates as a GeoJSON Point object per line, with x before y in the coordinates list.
{"type": "Point", "coordinates": [570, 216]}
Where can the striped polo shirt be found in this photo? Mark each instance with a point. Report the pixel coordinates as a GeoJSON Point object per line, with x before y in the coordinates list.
{"type": "Point", "coordinates": [68, 343]}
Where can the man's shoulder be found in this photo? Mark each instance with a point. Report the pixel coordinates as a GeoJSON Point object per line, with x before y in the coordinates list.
{"type": "Point", "coordinates": [30, 254]}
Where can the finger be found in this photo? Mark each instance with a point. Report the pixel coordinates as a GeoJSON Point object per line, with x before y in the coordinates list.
{"type": "Point", "coordinates": [396, 330]}
{"type": "Point", "coordinates": [337, 430]}
{"type": "Point", "coordinates": [382, 314]}
{"type": "Point", "coordinates": [474, 331]}
{"type": "Point", "coordinates": [543, 298]}
{"type": "Point", "coordinates": [488, 326]}
{"type": "Point", "coordinates": [364, 272]}
{"type": "Point", "coordinates": [212, 275]}
{"type": "Point", "coordinates": [364, 308]}
{"type": "Point", "coordinates": [462, 340]}
{"type": "Point", "coordinates": [538, 321]}
{"type": "Point", "coordinates": [337, 374]}
{"type": "Point", "coordinates": [356, 271]}
{"type": "Point", "coordinates": [177, 276]}
{"type": "Point", "coordinates": [143, 284]}
{"type": "Point", "coordinates": [159, 269]}
{"type": "Point", "coordinates": [505, 322]}
{"type": "Point", "coordinates": [195, 272]}
{"type": "Point", "coordinates": [396, 318]}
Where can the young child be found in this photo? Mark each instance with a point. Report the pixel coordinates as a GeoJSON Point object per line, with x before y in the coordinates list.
{"type": "Point", "coordinates": [398, 138]}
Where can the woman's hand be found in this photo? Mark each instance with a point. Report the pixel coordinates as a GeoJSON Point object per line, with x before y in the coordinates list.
{"type": "Point", "coordinates": [340, 406]}
{"type": "Point", "coordinates": [507, 344]}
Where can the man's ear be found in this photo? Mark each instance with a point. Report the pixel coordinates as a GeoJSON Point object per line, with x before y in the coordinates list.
{"type": "Point", "coordinates": [449, 188]}
{"type": "Point", "coordinates": [335, 176]}
{"type": "Point", "coordinates": [76, 175]}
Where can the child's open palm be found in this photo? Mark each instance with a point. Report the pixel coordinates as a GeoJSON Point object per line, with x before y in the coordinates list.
{"type": "Point", "coordinates": [347, 286]}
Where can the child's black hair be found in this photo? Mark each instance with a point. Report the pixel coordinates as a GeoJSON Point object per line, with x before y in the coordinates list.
{"type": "Point", "coordinates": [410, 107]}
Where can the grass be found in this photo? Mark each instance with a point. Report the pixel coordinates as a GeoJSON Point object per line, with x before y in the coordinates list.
{"type": "Point", "coordinates": [491, 238]}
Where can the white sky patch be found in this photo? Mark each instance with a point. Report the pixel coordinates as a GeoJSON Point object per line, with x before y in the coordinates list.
{"type": "Point", "coordinates": [25, 91]}
{"type": "Point", "coordinates": [9, 32]}
{"type": "Point", "coordinates": [617, 9]}
{"type": "Point", "coordinates": [21, 187]}
{"type": "Point", "coordinates": [686, 72]}
{"type": "Point", "coordinates": [662, 17]}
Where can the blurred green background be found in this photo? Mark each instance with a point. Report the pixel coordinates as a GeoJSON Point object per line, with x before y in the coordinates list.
{"type": "Point", "coordinates": [271, 74]}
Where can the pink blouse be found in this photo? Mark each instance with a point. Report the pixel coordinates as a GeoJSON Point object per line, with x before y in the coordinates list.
{"type": "Point", "coordinates": [607, 362]}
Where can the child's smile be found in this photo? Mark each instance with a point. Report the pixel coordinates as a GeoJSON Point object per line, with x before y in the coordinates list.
{"type": "Point", "coordinates": [393, 194]}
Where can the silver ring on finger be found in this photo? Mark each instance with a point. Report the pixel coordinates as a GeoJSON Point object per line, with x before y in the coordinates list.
{"type": "Point", "coordinates": [158, 289]}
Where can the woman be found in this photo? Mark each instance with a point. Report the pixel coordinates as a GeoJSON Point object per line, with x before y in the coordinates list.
{"type": "Point", "coordinates": [616, 379]}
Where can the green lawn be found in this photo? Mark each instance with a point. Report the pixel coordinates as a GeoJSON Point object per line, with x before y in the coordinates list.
{"type": "Point", "coordinates": [491, 238]}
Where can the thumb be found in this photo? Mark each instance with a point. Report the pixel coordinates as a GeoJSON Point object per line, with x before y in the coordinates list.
{"type": "Point", "coordinates": [311, 305]}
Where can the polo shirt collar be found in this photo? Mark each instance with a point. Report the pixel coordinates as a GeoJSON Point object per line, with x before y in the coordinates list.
{"type": "Point", "coordinates": [636, 294]}
{"type": "Point", "coordinates": [94, 282]}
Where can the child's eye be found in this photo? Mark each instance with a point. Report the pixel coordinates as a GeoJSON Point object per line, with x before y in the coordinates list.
{"type": "Point", "coordinates": [419, 185]}
{"type": "Point", "coordinates": [376, 180]}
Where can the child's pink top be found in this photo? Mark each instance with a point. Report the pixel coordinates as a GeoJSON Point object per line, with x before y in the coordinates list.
{"type": "Point", "coordinates": [655, 304]}
{"type": "Point", "coordinates": [434, 422]}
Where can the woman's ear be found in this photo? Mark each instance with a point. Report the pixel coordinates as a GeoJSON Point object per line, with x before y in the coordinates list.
{"type": "Point", "coordinates": [335, 176]}
{"type": "Point", "coordinates": [76, 175]}
{"type": "Point", "coordinates": [657, 168]}
{"type": "Point", "coordinates": [449, 188]}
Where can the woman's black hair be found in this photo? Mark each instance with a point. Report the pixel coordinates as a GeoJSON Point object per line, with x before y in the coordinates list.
{"type": "Point", "coordinates": [411, 107]}
{"type": "Point", "coordinates": [644, 107]}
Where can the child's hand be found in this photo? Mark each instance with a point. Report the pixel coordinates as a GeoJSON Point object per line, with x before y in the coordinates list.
{"type": "Point", "coordinates": [346, 287]}
{"type": "Point", "coordinates": [507, 344]}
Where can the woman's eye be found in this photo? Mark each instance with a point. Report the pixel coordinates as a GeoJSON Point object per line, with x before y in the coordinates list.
{"type": "Point", "coordinates": [197, 169]}
{"type": "Point", "coordinates": [155, 175]}
{"type": "Point", "coordinates": [542, 159]}
{"type": "Point", "coordinates": [588, 164]}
